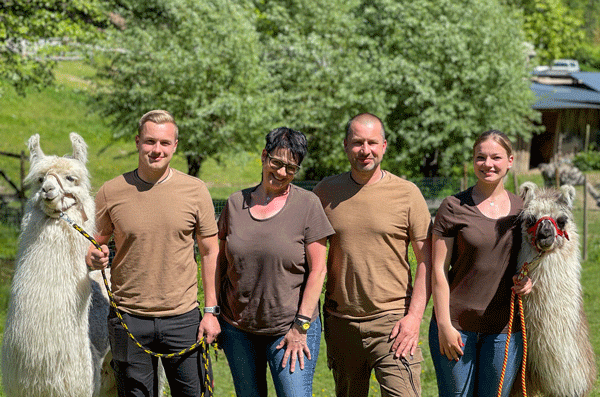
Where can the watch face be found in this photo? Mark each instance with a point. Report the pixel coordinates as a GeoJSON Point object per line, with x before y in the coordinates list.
{"type": "Point", "coordinates": [306, 326]}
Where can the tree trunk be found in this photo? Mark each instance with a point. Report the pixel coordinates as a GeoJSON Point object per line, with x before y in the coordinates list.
{"type": "Point", "coordinates": [194, 164]}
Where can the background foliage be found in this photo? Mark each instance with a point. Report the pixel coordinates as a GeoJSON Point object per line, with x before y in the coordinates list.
{"type": "Point", "coordinates": [23, 23]}
{"type": "Point", "coordinates": [437, 72]}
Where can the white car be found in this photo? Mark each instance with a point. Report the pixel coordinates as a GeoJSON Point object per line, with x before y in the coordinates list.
{"type": "Point", "coordinates": [565, 65]}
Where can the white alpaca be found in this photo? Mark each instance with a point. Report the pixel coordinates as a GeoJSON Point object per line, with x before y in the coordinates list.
{"type": "Point", "coordinates": [560, 357]}
{"type": "Point", "coordinates": [56, 335]}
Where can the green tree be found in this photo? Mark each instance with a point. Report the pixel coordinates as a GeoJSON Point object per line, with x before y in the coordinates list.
{"type": "Point", "coordinates": [23, 23]}
{"type": "Point", "coordinates": [437, 72]}
{"type": "Point", "coordinates": [322, 76]}
{"type": "Point", "coordinates": [555, 30]}
{"type": "Point", "coordinates": [200, 61]}
{"type": "Point", "coordinates": [459, 70]}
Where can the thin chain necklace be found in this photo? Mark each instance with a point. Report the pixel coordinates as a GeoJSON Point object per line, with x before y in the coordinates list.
{"type": "Point", "coordinates": [268, 199]}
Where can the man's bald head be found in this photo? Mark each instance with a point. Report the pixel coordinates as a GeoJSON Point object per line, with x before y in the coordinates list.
{"type": "Point", "coordinates": [364, 119]}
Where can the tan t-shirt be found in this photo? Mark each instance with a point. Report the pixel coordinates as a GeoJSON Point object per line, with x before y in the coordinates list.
{"type": "Point", "coordinates": [154, 272]}
{"type": "Point", "coordinates": [267, 267]}
{"type": "Point", "coordinates": [368, 270]}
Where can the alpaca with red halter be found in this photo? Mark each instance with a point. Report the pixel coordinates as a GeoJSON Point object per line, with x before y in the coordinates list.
{"type": "Point", "coordinates": [561, 360]}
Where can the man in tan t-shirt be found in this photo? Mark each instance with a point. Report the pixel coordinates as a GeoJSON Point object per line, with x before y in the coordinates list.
{"type": "Point", "coordinates": [373, 310]}
{"type": "Point", "coordinates": [154, 213]}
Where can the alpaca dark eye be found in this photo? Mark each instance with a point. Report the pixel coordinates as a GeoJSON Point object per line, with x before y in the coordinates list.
{"type": "Point", "coordinates": [70, 178]}
{"type": "Point", "coordinates": [561, 222]}
{"type": "Point", "coordinates": [529, 221]}
{"type": "Point", "coordinates": [41, 179]}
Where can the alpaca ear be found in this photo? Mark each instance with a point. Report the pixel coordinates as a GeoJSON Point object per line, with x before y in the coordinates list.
{"type": "Point", "coordinates": [527, 191]}
{"type": "Point", "coordinates": [567, 196]}
{"type": "Point", "coordinates": [35, 151]}
{"type": "Point", "coordinates": [79, 147]}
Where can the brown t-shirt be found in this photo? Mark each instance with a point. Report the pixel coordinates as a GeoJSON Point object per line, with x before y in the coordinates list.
{"type": "Point", "coordinates": [484, 260]}
{"type": "Point", "coordinates": [266, 271]}
{"type": "Point", "coordinates": [368, 269]}
{"type": "Point", "coordinates": [154, 272]}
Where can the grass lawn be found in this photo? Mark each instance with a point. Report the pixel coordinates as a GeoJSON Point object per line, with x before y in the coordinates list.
{"type": "Point", "coordinates": [54, 112]}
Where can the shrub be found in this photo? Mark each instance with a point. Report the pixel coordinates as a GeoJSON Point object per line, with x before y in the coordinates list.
{"type": "Point", "coordinates": [587, 161]}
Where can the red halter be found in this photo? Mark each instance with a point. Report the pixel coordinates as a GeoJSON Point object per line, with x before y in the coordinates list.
{"type": "Point", "coordinates": [533, 229]}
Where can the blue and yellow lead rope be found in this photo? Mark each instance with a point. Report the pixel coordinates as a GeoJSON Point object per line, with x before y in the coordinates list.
{"type": "Point", "coordinates": [201, 343]}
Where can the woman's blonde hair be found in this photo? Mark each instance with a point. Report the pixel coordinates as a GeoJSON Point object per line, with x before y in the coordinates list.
{"type": "Point", "coordinates": [498, 137]}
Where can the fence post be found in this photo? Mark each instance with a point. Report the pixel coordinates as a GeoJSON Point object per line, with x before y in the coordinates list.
{"type": "Point", "coordinates": [22, 198]}
{"type": "Point", "coordinates": [586, 145]}
{"type": "Point", "coordinates": [585, 226]}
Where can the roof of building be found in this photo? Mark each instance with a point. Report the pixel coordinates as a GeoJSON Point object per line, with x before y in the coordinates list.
{"type": "Point", "coordinates": [585, 93]}
{"type": "Point", "coordinates": [592, 80]}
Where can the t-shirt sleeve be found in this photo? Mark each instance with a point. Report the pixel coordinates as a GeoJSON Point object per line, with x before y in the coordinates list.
{"type": "Point", "coordinates": [104, 225]}
{"type": "Point", "coordinates": [206, 226]}
{"type": "Point", "coordinates": [444, 219]}
{"type": "Point", "coordinates": [317, 225]}
{"type": "Point", "coordinates": [419, 217]}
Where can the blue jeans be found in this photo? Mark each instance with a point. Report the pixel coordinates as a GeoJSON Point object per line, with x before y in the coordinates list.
{"type": "Point", "coordinates": [478, 371]}
{"type": "Point", "coordinates": [248, 355]}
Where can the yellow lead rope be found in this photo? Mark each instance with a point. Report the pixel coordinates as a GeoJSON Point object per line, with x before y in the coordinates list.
{"type": "Point", "coordinates": [208, 382]}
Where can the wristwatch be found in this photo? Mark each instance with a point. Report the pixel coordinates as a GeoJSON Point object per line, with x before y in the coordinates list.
{"type": "Point", "coordinates": [216, 310]}
{"type": "Point", "coordinates": [302, 322]}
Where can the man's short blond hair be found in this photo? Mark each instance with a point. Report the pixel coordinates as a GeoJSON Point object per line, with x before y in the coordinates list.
{"type": "Point", "coordinates": [158, 117]}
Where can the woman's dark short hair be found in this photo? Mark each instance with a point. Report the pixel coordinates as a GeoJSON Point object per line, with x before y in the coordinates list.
{"type": "Point", "coordinates": [287, 138]}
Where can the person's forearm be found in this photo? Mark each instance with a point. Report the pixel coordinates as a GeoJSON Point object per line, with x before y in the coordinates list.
{"type": "Point", "coordinates": [420, 295]}
{"type": "Point", "coordinates": [441, 297]}
{"type": "Point", "coordinates": [312, 293]}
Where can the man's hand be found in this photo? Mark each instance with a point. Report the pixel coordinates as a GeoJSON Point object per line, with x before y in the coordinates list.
{"type": "Point", "coordinates": [209, 328]}
{"type": "Point", "coordinates": [406, 335]}
{"type": "Point", "coordinates": [97, 259]}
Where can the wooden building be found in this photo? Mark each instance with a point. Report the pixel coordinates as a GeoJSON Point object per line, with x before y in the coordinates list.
{"type": "Point", "coordinates": [568, 103]}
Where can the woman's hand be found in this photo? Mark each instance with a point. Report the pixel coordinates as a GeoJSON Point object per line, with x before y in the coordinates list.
{"type": "Point", "coordinates": [522, 287]}
{"type": "Point", "coordinates": [295, 348]}
{"type": "Point", "coordinates": [451, 343]}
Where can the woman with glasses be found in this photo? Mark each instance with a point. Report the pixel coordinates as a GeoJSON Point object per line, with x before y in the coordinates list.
{"type": "Point", "coordinates": [272, 267]}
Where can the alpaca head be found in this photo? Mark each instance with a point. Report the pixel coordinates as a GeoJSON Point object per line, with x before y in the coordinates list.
{"type": "Point", "coordinates": [547, 218]}
{"type": "Point", "coordinates": [58, 184]}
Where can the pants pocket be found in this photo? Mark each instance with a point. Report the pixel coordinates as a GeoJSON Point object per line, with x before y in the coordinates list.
{"type": "Point", "coordinates": [118, 338]}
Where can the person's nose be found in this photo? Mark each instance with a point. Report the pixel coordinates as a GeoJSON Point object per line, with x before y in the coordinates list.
{"type": "Point", "coordinates": [365, 149]}
{"type": "Point", "coordinates": [282, 172]}
{"type": "Point", "coordinates": [488, 162]}
{"type": "Point", "coordinates": [156, 148]}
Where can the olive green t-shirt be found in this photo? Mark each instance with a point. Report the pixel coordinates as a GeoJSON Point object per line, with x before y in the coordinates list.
{"type": "Point", "coordinates": [484, 260]}
{"type": "Point", "coordinates": [368, 273]}
{"type": "Point", "coordinates": [154, 272]}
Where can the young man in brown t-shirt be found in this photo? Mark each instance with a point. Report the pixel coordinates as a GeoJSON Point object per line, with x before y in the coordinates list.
{"type": "Point", "coordinates": [154, 213]}
{"type": "Point", "coordinates": [372, 309]}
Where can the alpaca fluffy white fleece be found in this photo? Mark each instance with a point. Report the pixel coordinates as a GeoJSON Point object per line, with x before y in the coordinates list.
{"type": "Point", "coordinates": [560, 357]}
{"type": "Point", "coordinates": [49, 348]}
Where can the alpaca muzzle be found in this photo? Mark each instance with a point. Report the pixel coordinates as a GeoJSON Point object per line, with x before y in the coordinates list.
{"type": "Point", "coordinates": [544, 232]}
{"type": "Point", "coordinates": [51, 191]}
